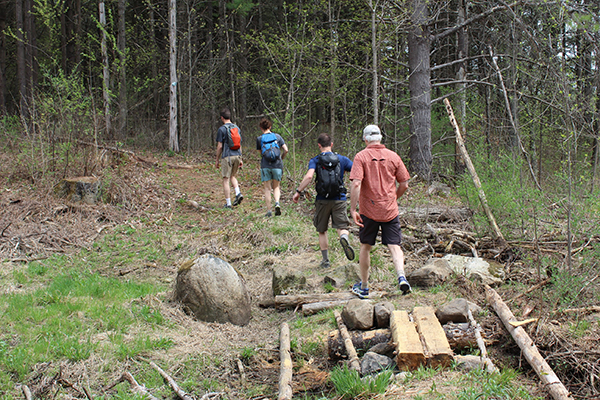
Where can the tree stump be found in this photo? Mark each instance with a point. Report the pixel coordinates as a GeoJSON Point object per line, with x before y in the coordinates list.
{"type": "Point", "coordinates": [80, 189]}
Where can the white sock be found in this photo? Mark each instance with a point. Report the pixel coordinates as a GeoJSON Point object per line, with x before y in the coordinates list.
{"type": "Point", "coordinates": [237, 190]}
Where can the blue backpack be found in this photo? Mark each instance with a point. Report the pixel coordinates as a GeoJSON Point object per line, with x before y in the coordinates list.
{"type": "Point", "coordinates": [269, 146]}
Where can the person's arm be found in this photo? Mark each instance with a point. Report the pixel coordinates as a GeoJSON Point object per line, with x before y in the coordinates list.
{"type": "Point", "coordinates": [402, 186]}
{"type": "Point", "coordinates": [219, 152]}
{"type": "Point", "coordinates": [284, 151]}
{"type": "Point", "coordinates": [303, 185]}
{"type": "Point", "coordinates": [354, 195]}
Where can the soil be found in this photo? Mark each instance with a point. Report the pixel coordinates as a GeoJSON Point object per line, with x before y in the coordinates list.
{"type": "Point", "coordinates": [35, 223]}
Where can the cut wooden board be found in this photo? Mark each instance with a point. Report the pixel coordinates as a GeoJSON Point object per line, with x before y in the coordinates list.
{"type": "Point", "coordinates": [408, 344]}
{"type": "Point", "coordinates": [436, 347]}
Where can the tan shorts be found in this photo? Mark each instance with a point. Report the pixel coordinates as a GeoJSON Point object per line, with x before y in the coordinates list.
{"type": "Point", "coordinates": [230, 165]}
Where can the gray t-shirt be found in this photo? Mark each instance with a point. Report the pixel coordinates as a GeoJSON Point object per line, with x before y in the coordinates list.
{"type": "Point", "coordinates": [222, 138]}
{"type": "Point", "coordinates": [264, 163]}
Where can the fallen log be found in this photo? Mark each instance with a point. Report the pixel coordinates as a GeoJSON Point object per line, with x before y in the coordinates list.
{"type": "Point", "coordinates": [313, 308]}
{"type": "Point", "coordinates": [554, 386]}
{"type": "Point", "coordinates": [490, 367]}
{"type": "Point", "coordinates": [350, 350]}
{"type": "Point", "coordinates": [297, 300]}
{"type": "Point", "coordinates": [285, 366]}
{"type": "Point", "coordinates": [584, 310]}
{"type": "Point", "coordinates": [361, 340]}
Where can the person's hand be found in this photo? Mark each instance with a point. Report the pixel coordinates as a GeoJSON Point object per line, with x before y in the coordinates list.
{"type": "Point", "coordinates": [296, 197]}
{"type": "Point", "coordinates": [356, 218]}
{"type": "Point", "coordinates": [241, 163]}
{"type": "Point", "coordinates": [217, 164]}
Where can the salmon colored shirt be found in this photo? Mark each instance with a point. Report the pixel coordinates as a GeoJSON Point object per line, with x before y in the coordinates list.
{"type": "Point", "coordinates": [378, 168]}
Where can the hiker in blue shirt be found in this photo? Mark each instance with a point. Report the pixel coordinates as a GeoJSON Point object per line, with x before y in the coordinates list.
{"type": "Point", "coordinates": [331, 196]}
{"type": "Point", "coordinates": [273, 150]}
{"type": "Point", "coordinates": [230, 152]}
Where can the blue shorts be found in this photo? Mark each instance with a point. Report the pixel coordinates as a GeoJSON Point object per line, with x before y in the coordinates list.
{"type": "Point", "coordinates": [390, 231]}
{"type": "Point", "coordinates": [270, 174]}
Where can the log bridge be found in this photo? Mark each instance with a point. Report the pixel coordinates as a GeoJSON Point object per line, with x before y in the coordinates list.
{"type": "Point", "coordinates": [419, 339]}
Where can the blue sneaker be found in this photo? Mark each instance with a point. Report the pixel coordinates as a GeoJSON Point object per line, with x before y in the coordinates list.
{"type": "Point", "coordinates": [361, 293]}
{"type": "Point", "coordinates": [404, 285]}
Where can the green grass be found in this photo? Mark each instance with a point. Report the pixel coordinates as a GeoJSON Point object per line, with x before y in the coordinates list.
{"type": "Point", "coordinates": [349, 385]}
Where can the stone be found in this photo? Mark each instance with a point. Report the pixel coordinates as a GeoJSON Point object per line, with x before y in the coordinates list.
{"type": "Point", "coordinates": [372, 363]}
{"type": "Point", "coordinates": [383, 311]}
{"type": "Point", "coordinates": [385, 349]}
{"type": "Point", "coordinates": [438, 189]}
{"type": "Point", "coordinates": [456, 311]}
{"type": "Point", "coordinates": [476, 269]}
{"type": "Point", "coordinates": [334, 281]}
{"type": "Point", "coordinates": [212, 291]}
{"type": "Point", "coordinates": [433, 273]}
{"type": "Point", "coordinates": [285, 278]}
{"type": "Point", "coordinates": [358, 314]}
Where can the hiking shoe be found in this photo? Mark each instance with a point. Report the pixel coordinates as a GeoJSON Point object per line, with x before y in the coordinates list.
{"type": "Point", "coordinates": [325, 264]}
{"type": "Point", "coordinates": [268, 214]}
{"type": "Point", "coordinates": [404, 285]}
{"type": "Point", "coordinates": [227, 207]}
{"type": "Point", "coordinates": [361, 293]}
{"type": "Point", "coordinates": [238, 199]}
{"type": "Point", "coordinates": [277, 209]}
{"type": "Point", "coordinates": [349, 251]}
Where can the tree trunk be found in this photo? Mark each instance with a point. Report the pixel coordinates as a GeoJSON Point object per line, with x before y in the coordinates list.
{"type": "Point", "coordinates": [21, 72]}
{"type": "Point", "coordinates": [463, 52]}
{"type": "Point", "coordinates": [173, 136]}
{"type": "Point", "coordinates": [3, 12]}
{"type": "Point", "coordinates": [375, 49]}
{"type": "Point", "coordinates": [105, 70]}
{"type": "Point", "coordinates": [122, 44]}
{"type": "Point", "coordinates": [420, 91]}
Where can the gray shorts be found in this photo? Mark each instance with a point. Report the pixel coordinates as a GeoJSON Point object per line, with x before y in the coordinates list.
{"type": "Point", "coordinates": [336, 209]}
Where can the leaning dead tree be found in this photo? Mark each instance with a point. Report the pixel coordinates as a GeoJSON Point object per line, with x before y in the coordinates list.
{"type": "Point", "coordinates": [463, 150]}
{"type": "Point", "coordinates": [554, 386]}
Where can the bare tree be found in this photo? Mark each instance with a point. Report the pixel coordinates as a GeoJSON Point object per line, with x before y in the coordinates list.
{"type": "Point", "coordinates": [173, 135]}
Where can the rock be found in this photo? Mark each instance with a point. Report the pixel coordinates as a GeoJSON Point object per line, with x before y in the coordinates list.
{"type": "Point", "coordinates": [358, 314]}
{"type": "Point", "coordinates": [471, 362]}
{"type": "Point", "coordinates": [477, 269]}
{"type": "Point", "coordinates": [285, 278]}
{"type": "Point", "coordinates": [352, 272]}
{"type": "Point", "coordinates": [373, 362]}
{"type": "Point", "coordinates": [81, 189]}
{"type": "Point", "coordinates": [213, 291]}
{"type": "Point", "coordinates": [334, 281]}
{"type": "Point", "coordinates": [383, 311]}
{"type": "Point", "coordinates": [385, 349]}
{"type": "Point", "coordinates": [456, 311]}
{"type": "Point", "coordinates": [438, 189]}
{"type": "Point", "coordinates": [433, 273]}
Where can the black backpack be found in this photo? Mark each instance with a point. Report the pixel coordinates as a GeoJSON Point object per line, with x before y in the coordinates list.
{"type": "Point", "coordinates": [329, 176]}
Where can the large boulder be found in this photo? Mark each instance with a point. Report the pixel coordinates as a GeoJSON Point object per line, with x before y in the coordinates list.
{"type": "Point", "coordinates": [434, 272]}
{"type": "Point", "coordinates": [213, 291]}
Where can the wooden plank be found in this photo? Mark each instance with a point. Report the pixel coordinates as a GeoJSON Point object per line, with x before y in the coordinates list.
{"type": "Point", "coordinates": [435, 343]}
{"type": "Point", "coordinates": [409, 349]}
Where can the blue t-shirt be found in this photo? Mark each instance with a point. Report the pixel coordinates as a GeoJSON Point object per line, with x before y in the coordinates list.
{"type": "Point", "coordinates": [264, 163]}
{"type": "Point", "coordinates": [345, 164]}
{"type": "Point", "coordinates": [222, 137]}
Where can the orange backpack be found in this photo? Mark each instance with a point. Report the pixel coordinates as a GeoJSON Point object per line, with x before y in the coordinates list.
{"type": "Point", "coordinates": [234, 139]}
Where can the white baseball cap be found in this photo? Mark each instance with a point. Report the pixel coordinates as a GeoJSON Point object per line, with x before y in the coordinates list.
{"type": "Point", "coordinates": [372, 133]}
